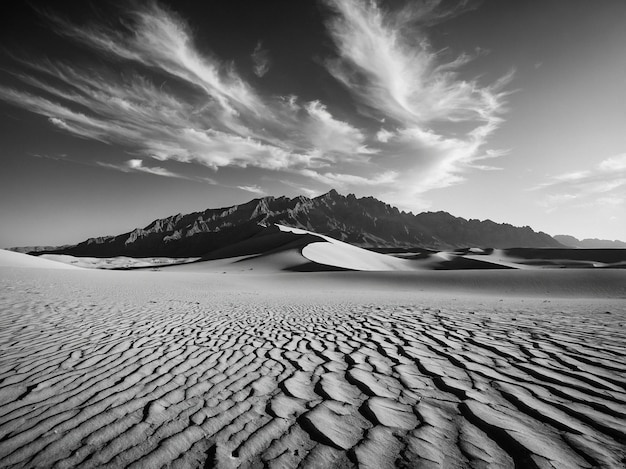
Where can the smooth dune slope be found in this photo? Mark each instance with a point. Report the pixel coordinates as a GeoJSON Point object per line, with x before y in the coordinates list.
{"type": "Point", "coordinates": [331, 252]}
{"type": "Point", "coordinates": [17, 259]}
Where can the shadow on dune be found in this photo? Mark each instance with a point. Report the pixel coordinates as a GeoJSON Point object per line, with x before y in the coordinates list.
{"type": "Point", "coordinates": [578, 258]}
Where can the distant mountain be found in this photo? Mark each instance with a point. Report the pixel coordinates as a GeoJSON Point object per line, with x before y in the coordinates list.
{"type": "Point", "coordinates": [365, 222]}
{"type": "Point", "coordinates": [589, 243]}
{"type": "Point", "coordinates": [35, 249]}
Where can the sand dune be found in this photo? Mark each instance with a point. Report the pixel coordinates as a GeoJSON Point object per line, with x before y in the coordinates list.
{"type": "Point", "coordinates": [552, 258]}
{"type": "Point", "coordinates": [325, 369]}
{"type": "Point", "coordinates": [354, 258]}
{"type": "Point", "coordinates": [120, 262]}
{"type": "Point", "coordinates": [281, 248]}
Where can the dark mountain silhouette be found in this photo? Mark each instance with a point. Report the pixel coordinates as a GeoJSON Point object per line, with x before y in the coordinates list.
{"type": "Point", "coordinates": [365, 222]}
{"type": "Point", "coordinates": [37, 249]}
{"type": "Point", "coordinates": [589, 243]}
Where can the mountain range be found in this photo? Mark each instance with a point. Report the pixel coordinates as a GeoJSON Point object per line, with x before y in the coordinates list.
{"type": "Point", "coordinates": [365, 222]}
{"type": "Point", "coordinates": [590, 243]}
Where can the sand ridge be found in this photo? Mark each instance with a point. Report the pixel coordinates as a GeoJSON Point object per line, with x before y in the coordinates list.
{"type": "Point", "coordinates": [153, 369]}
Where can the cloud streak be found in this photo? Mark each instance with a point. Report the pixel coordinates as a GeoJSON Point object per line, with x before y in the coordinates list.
{"type": "Point", "coordinates": [255, 189]}
{"type": "Point", "coordinates": [136, 165]}
{"type": "Point", "coordinates": [603, 186]}
{"type": "Point", "coordinates": [158, 38]}
{"type": "Point", "coordinates": [344, 180]}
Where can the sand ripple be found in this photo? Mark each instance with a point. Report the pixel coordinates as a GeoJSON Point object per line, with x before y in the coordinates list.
{"type": "Point", "coordinates": [263, 382]}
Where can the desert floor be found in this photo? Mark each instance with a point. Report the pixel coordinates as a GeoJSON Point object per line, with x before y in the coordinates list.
{"type": "Point", "coordinates": [197, 369]}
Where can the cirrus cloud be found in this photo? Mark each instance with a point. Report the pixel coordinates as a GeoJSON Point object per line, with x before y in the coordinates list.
{"type": "Point", "coordinates": [385, 60]}
{"type": "Point", "coordinates": [603, 185]}
{"type": "Point", "coordinates": [136, 165]}
{"type": "Point", "coordinates": [175, 102]}
{"type": "Point", "coordinates": [260, 60]}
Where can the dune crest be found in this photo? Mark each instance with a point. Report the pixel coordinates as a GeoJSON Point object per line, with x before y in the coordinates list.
{"type": "Point", "coordinates": [331, 252]}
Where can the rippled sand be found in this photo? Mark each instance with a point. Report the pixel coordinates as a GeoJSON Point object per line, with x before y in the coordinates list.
{"type": "Point", "coordinates": [181, 369]}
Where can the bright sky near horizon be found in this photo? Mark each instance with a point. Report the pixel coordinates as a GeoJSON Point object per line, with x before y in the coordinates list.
{"type": "Point", "coordinates": [114, 113]}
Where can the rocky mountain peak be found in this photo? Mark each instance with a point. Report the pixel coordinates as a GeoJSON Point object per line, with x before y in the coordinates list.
{"type": "Point", "coordinates": [366, 222]}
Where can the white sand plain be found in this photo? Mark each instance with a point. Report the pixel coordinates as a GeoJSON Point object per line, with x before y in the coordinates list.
{"type": "Point", "coordinates": [235, 363]}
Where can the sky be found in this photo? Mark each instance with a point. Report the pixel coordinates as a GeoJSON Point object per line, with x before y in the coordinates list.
{"type": "Point", "coordinates": [113, 114]}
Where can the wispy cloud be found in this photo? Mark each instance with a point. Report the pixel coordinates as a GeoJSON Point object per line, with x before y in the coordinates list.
{"type": "Point", "coordinates": [327, 134]}
{"type": "Point", "coordinates": [157, 37]}
{"type": "Point", "coordinates": [208, 114]}
{"type": "Point", "coordinates": [260, 60]}
{"type": "Point", "coordinates": [61, 157]}
{"type": "Point", "coordinates": [603, 185]}
{"type": "Point", "coordinates": [614, 163]}
{"type": "Point", "coordinates": [175, 103]}
{"type": "Point", "coordinates": [342, 181]}
{"type": "Point", "coordinates": [385, 59]}
{"type": "Point", "coordinates": [255, 189]}
{"type": "Point", "coordinates": [136, 165]}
